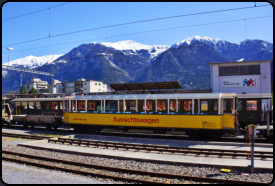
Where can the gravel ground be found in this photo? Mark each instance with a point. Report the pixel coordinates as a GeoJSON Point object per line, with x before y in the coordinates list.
{"type": "Point", "coordinates": [33, 175]}
{"type": "Point", "coordinates": [144, 166]}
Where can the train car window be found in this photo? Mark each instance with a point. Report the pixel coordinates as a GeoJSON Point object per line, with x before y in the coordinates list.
{"type": "Point", "coordinates": [47, 105]}
{"type": "Point", "coordinates": [112, 105]}
{"type": "Point", "coordinates": [24, 105]}
{"type": "Point", "coordinates": [31, 105]}
{"type": "Point", "coordinates": [216, 105]}
{"type": "Point", "coordinates": [239, 105]}
{"type": "Point", "coordinates": [224, 105]}
{"type": "Point", "coordinates": [133, 105]}
{"type": "Point", "coordinates": [121, 105]}
{"type": "Point", "coordinates": [81, 105]}
{"type": "Point", "coordinates": [17, 105]}
{"type": "Point", "coordinates": [252, 104]}
{"type": "Point", "coordinates": [204, 105]}
{"type": "Point", "coordinates": [54, 106]}
{"type": "Point", "coordinates": [231, 104]}
{"type": "Point", "coordinates": [172, 105]}
{"type": "Point", "coordinates": [38, 105]}
{"type": "Point", "coordinates": [187, 105]}
{"type": "Point", "coordinates": [91, 105]}
{"type": "Point", "coordinates": [161, 105]}
{"type": "Point", "coordinates": [61, 105]}
{"type": "Point", "coordinates": [149, 105]}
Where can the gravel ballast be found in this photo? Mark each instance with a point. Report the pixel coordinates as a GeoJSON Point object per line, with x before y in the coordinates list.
{"type": "Point", "coordinates": [10, 145]}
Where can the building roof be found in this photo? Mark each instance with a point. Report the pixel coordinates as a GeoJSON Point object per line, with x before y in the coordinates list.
{"type": "Point", "coordinates": [240, 62]}
{"type": "Point", "coordinates": [144, 86]}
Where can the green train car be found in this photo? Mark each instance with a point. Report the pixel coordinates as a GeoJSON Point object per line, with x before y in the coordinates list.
{"type": "Point", "coordinates": [33, 111]}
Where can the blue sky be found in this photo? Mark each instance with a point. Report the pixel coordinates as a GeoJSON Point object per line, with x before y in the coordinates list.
{"type": "Point", "coordinates": [73, 17]}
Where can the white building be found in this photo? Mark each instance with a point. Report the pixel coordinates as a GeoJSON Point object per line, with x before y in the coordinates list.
{"type": "Point", "coordinates": [81, 86]}
{"type": "Point", "coordinates": [248, 77]}
{"type": "Point", "coordinates": [41, 86]}
{"type": "Point", "coordinates": [37, 84]}
{"type": "Point", "coordinates": [55, 81]}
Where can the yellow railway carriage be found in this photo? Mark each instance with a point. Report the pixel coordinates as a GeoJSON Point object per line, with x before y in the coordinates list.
{"type": "Point", "coordinates": [200, 114]}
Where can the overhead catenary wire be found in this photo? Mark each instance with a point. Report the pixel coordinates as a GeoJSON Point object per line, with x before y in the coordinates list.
{"type": "Point", "coordinates": [147, 32]}
{"type": "Point", "coordinates": [135, 22]}
{"type": "Point", "coordinates": [35, 11]}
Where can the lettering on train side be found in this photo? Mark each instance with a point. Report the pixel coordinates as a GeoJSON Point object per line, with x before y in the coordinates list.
{"type": "Point", "coordinates": [206, 124]}
{"type": "Point", "coordinates": [79, 119]}
{"type": "Point", "coordinates": [135, 120]}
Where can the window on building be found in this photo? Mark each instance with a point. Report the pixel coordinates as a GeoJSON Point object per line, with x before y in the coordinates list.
{"type": "Point", "coordinates": [98, 89]}
{"type": "Point", "coordinates": [84, 83]}
{"type": "Point", "coordinates": [161, 105]}
{"type": "Point", "coordinates": [239, 70]}
{"type": "Point", "coordinates": [99, 84]}
{"type": "Point", "coordinates": [204, 105]}
{"type": "Point", "coordinates": [252, 105]}
{"type": "Point", "coordinates": [24, 105]}
{"type": "Point", "coordinates": [187, 105]}
{"type": "Point", "coordinates": [31, 105]}
{"type": "Point", "coordinates": [239, 105]}
{"type": "Point", "coordinates": [95, 83]}
{"type": "Point", "coordinates": [54, 106]}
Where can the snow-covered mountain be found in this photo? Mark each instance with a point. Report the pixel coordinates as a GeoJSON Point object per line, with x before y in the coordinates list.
{"type": "Point", "coordinates": [130, 47]}
{"type": "Point", "coordinates": [32, 61]}
{"type": "Point", "coordinates": [129, 61]}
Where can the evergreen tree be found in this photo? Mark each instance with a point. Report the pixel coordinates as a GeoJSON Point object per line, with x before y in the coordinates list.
{"type": "Point", "coordinates": [33, 91]}
{"type": "Point", "coordinates": [47, 90]}
{"type": "Point", "coordinates": [23, 90]}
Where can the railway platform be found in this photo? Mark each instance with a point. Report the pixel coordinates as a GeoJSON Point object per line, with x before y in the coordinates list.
{"type": "Point", "coordinates": [239, 163]}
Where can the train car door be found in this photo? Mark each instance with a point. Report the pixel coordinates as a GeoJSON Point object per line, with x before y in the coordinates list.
{"type": "Point", "coordinates": [17, 108]}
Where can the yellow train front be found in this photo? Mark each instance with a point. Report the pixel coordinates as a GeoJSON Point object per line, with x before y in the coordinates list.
{"type": "Point", "coordinates": [199, 115]}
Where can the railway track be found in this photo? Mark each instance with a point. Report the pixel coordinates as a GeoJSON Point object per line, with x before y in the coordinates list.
{"type": "Point", "coordinates": [146, 135]}
{"type": "Point", "coordinates": [25, 136]}
{"type": "Point", "coordinates": [161, 149]}
{"type": "Point", "coordinates": [150, 176]}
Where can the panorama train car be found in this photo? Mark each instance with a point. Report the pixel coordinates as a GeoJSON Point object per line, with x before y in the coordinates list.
{"type": "Point", "coordinates": [199, 114]}
{"type": "Point", "coordinates": [33, 111]}
{"type": "Point", "coordinates": [254, 108]}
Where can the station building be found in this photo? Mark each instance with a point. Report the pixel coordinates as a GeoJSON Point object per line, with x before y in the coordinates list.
{"type": "Point", "coordinates": [241, 77]}
{"type": "Point", "coordinates": [247, 79]}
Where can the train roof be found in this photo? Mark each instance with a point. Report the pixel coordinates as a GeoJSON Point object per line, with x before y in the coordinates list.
{"type": "Point", "coordinates": [154, 96]}
{"type": "Point", "coordinates": [261, 95]}
{"type": "Point", "coordinates": [38, 99]}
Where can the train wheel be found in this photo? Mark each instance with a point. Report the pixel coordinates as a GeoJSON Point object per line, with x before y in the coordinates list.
{"type": "Point", "coordinates": [25, 125]}
{"type": "Point", "coordinates": [48, 127]}
{"type": "Point", "coordinates": [192, 134]}
{"type": "Point", "coordinates": [159, 131]}
{"type": "Point", "coordinates": [216, 135]}
{"type": "Point", "coordinates": [125, 129]}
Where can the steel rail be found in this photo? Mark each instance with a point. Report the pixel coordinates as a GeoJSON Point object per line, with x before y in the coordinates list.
{"type": "Point", "coordinates": [156, 136]}
{"type": "Point", "coordinates": [26, 136]}
{"type": "Point", "coordinates": [154, 174]}
{"type": "Point", "coordinates": [161, 149]}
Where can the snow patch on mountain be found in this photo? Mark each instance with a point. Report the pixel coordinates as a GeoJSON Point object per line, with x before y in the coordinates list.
{"type": "Point", "coordinates": [132, 47]}
{"type": "Point", "coordinates": [32, 61]}
{"type": "Point", "coordinates": [191, 40]}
